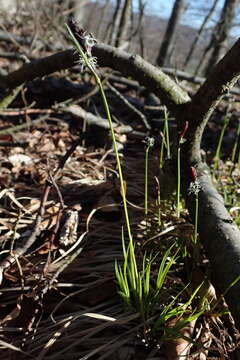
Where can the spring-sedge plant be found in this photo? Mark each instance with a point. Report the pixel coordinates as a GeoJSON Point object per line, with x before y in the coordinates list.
{"type": "Point", "coordinates": [136, 287]}
{"type": "Point", "coordinates": [83, 43]}
{"type": "Point", "coordinates": [142, 294]}
{"type": "Point", "coordinates": [182, 313]}
{"type": "Point", "coordinates": [163, 145]}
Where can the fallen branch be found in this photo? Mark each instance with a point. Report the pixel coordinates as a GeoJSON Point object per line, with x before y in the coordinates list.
{"type": "Point", "coordinates": [21, 249]}
{"type": "Point", "coordinates": [148, 75]}
{"type": "Point", "coordinates": [183, 75]}
{"type": "Point", "coordinates": [131, 106]}
{"type": "Point", "coordinates": [92, 119]}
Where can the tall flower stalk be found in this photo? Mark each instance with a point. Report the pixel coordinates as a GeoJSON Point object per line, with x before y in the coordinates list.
{"type": "Point", "coordinates": [236, 143]}
{"type": "Point", "coordinates": [166, 127]}
{"type": "Point", "coordinates": [165, 138]}
{"type": "Point", "coordinates": [194, 189]}
{"type": "Point", "coordinates": [181, 141]}
{"type": "Point", "coordinates": [83, 43]}
{"type": "Point", "coordinates": [149, 144]}
{"type": "Point", "coordinates": [158, 202]}
{"type": "Point", "coordinates": [226, 120]}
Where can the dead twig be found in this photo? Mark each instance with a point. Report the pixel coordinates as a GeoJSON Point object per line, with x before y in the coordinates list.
{"type": "Point", "coordinates": [131, 106]}
{"type": "Point", "coordinates": [22, 249]}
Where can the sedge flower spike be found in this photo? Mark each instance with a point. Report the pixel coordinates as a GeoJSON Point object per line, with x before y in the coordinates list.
{"type": "Point", "coordinates": [194, 186]}
{"type": "Point", "coordinates": [86, 40]}
{"type": "Point", "coordinates": [149, 141]}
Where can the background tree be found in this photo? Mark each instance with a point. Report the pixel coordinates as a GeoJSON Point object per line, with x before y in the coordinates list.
{"type": "Point", "coordinates": [219, 36]}
{"type": "Point", "coordinates": [140, 27]}
{"type": "Point", "coordinates": [125, 23]}
{"type": "Point", "coordinates": [100, 31]}
{"type": "Point", "coordinates": [80, 11]}
{"type": "Point", "coordinates": [200, 31]}
{"type": "Point", "coordinates": [113, 25]}
{"type": "Point", "coordinates": [168, 40]}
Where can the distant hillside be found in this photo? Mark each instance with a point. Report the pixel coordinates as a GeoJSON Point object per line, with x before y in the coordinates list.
{"type": "Point", "coordinates": [154, 28]}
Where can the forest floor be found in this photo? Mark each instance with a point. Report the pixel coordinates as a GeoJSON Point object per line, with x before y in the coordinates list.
{"type": "Point", "coordinates": [61, 208]}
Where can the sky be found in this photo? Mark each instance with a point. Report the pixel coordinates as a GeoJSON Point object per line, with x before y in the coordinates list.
{"type": "Point", "coordinates": [193, 18]}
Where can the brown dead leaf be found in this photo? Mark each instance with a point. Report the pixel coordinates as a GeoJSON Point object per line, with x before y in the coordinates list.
{"type": "Point", "coordinates": [47, 146]}
{"type": "Point", "coordinates": [24, 314]}
{"type": "Point", "coordinates": [50, 216]}
{"type": "Point", "coordinates": [179, 348]}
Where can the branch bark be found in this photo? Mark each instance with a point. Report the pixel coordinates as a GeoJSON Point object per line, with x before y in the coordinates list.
{"type": "Point", "coordinates": [198, 111]}
{"type": "Point", "coordinates": [219, 235]}
{"type": "Point", "coordinates": [130, 65]}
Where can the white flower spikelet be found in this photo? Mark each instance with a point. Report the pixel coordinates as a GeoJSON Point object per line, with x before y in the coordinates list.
{"type": "Point", "coordinates": [92, 62]}
{"type": "Point", "coordinates": [194, 187]}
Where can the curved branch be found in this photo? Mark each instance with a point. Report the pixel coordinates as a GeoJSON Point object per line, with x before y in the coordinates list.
{"type": "Point", "coordinates": [223, 77]}
{"type": "Point", "coordinates": [38, 68]}
{"type": "Point", "coordinates": [221, 240]}
{"type": "Point", "coordinates": [131, 65]}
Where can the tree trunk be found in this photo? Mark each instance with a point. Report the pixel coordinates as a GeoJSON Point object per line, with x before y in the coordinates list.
{"type": "Point", "coordinates": [221, 33]}
{"type": "Point", "coordinates": [101, 25]}
{"type": "Point", "coordinates": [125, 23]}
{"type": "Point", "coordinates": [114, 24]}
{"type": "Point", "coordinates": [140, 27]}
{"type": "Point", "coordinates": [79, 11]}
{"type": "Point", "coordinates": [199, 33]}
{"type": "Point", "coordinates": [168, 39]}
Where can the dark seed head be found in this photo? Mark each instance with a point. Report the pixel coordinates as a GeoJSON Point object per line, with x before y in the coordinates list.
{"type": "Point", "coordinates": [79, 33]}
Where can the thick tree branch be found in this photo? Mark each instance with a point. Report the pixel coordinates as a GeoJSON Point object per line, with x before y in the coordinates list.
{"type": "Point", "coordinates": [148, 75]}
{"type": "Point", "coordinates": [38, 68]}
{"type": "Point", "coordinates": [223, 76]}
{"type": "Point", "coordinates": [183, 75]}
{"type": "Point", "coordinates": [221, 240]}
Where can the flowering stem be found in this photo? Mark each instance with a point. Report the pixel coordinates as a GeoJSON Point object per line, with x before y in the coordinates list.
{"type": "Point", "coordinates": [236, 143]}
{"type": "Point", "coordinates": [146, 182]}
{"type": "Point", "coordinates": [196, 220]}
{"type": "Point", "coordinates": [181, 141]}
{"type": "Point", "coordinates": [218, 151]}
{"type": "Point", "coordinates": [106, 108]}
{"type": "Point", "coordinates": [178, 180]}
{"type": "Point", "coordinates": [158, 202]}
{"type": "Point", "coordinates": [167, 132]}
{"type": "Point", "coordinates": [150, 143]}
{"type": "Point", "coordinates": [162, 148]}
{"type": "Point", "coordinates": [194, 189]}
